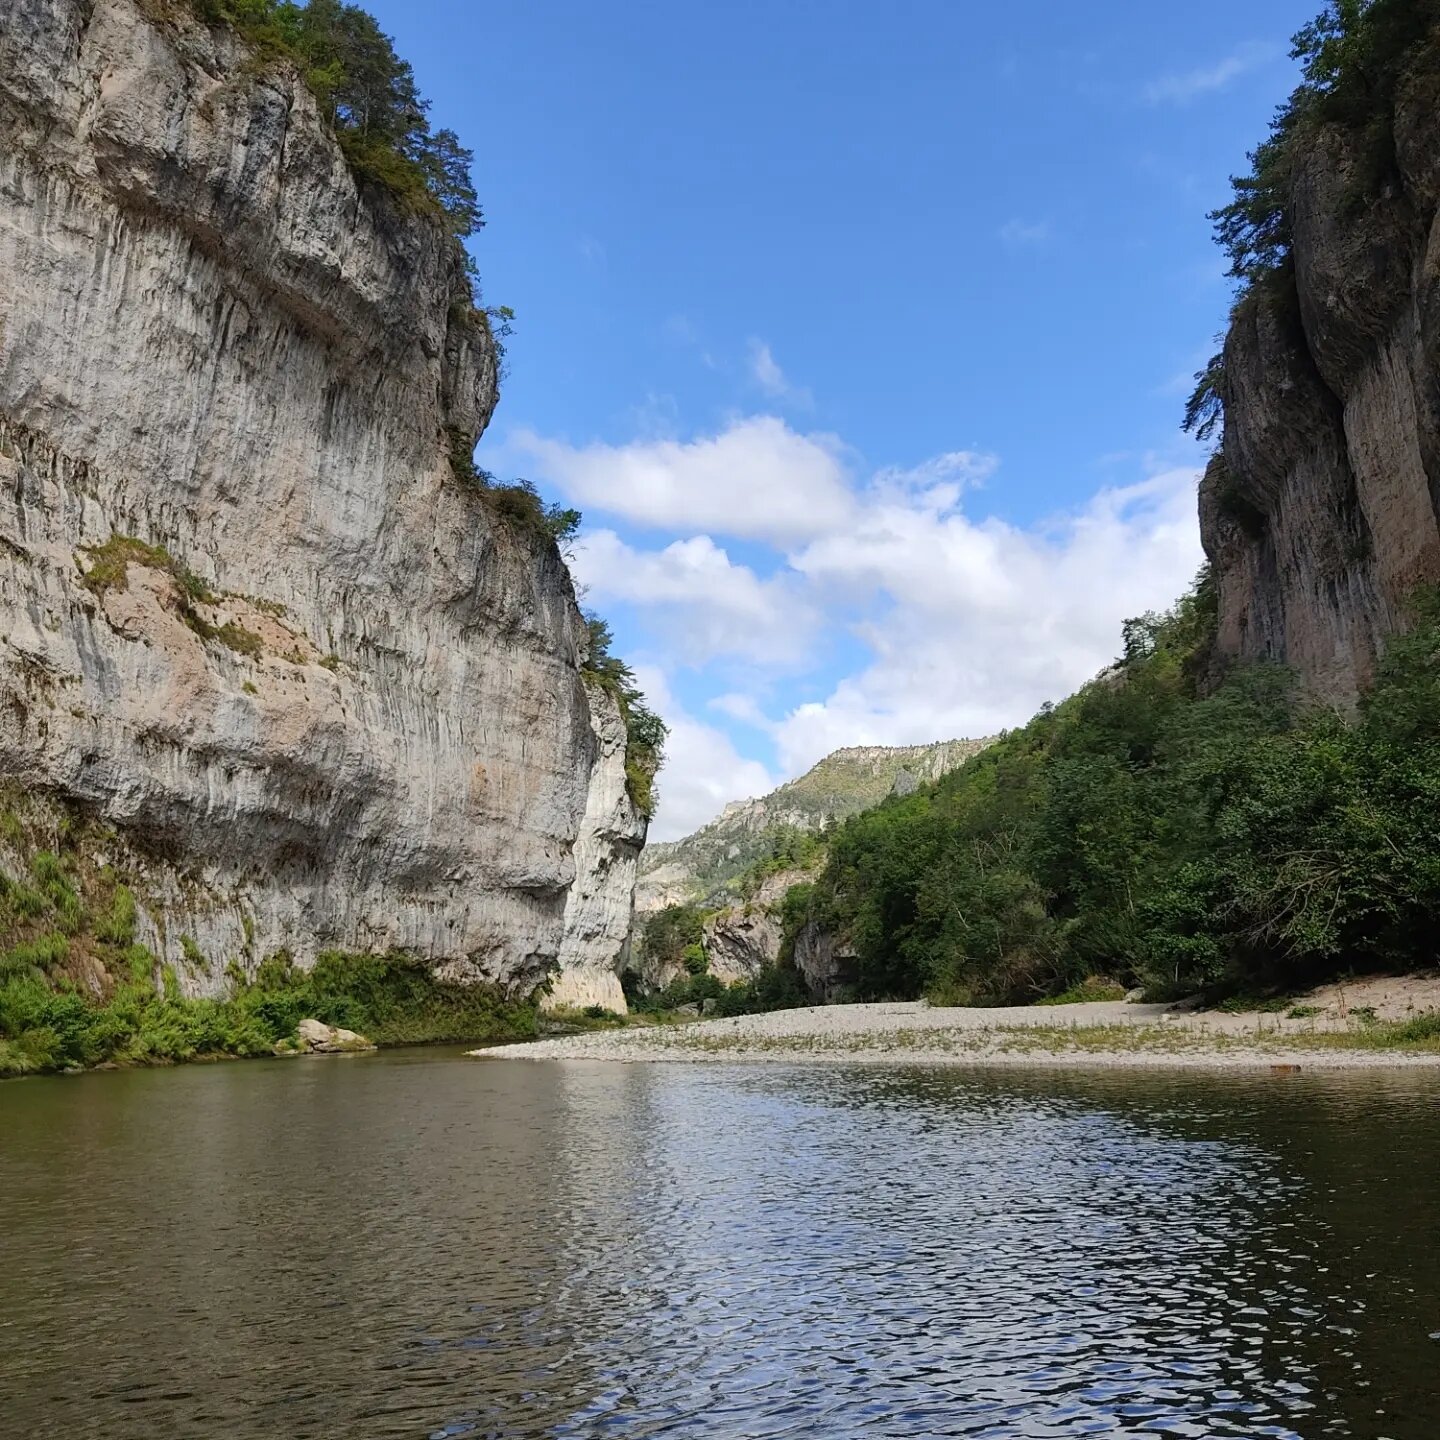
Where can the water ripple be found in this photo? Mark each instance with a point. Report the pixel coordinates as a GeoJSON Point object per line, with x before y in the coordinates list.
{"type": "Point", "coordinates": [414, 1246]}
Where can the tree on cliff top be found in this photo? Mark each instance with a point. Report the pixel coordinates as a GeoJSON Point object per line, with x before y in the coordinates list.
{"type": "Point", "coordinates": [1353, 56]}
{"type": "Point", "coordinates": [370, 95]}
{"type": "Point", "coordinates": [645, 731]}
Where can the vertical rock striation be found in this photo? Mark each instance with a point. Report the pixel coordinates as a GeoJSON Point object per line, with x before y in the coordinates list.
{"type": "Point", "coordinates": [601, 903]}
{"type": "Point", "coordinates": [1319, 513]}
{"type": "Point", "coordinates": [247, 613]}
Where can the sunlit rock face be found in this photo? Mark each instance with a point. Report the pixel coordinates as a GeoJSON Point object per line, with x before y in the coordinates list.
{"type": "Point", "coordinates": [1320, 511]}
{"type": "Point", "coordinates": [742, 939]}
{"type": "Point", "coordinates": [339, 703]}
{"type": "Point", "coordinates": [601, 905]}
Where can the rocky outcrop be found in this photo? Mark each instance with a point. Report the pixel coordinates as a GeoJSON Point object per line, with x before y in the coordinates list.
{"type": "Point", "coordinates": [601, 905]}
{"type": "Point", "coordinates": [315, 1037]}
{"type": "Point", "coordinates": [248, 614]}
{"type": "Point", "coordinates": [825, 962]}
{"type": "Point", "coordinates": [742, 939]}
{"type": "Point", "coordinates": [1319, 513]}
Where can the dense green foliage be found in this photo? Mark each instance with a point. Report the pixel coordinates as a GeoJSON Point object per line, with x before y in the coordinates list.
{"type": "Point", "coordinates": [48, 1023]}
{"type": "Point", "coordinates": [645, 731]}
{"type": "Point", "coordinates": [786, 849]}
{"type": "Point", "coordinates": [776, 987]}
{"type": "Point", "coordinates": [672, 939]}
{"type": "Point", "coordinates": [667, 933]}
{"type": "Point", "coordinates": [1152, 833]}
{"type": "Point", "coordinates": [369, 94]}
{"type": "Point", "coordinates": [76, 989]}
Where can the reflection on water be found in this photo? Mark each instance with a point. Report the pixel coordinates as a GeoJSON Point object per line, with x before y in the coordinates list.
{"type": "Point", "coordinates": [420, 1245]}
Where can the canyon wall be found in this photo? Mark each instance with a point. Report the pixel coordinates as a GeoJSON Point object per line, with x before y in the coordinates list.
{"type": "Point", "coordinates": [249, 615]}
{"type": "Point", "coordinates": [1319, 512]}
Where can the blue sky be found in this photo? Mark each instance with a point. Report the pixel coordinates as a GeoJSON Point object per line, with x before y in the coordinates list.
{"type": "Point", "coordinates": [860, 334]}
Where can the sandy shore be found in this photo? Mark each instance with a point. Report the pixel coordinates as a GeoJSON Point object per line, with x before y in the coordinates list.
{"type": "Point", "coordinates": [1113, 1035]}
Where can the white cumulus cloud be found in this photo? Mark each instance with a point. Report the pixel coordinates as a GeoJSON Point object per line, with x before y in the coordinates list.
{"type": "Point", "coordinates": [948, 620]}
{"type": "Point", "coordinates": [697, 597]}
{"type": "Point", "coordinates": [757, 479]}
{"type": "Point", "coordinates": [703, 771]}
{"type": "Point", "coordinates": [973, 624]}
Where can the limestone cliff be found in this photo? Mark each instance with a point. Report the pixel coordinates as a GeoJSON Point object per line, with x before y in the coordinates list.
{"type": "Point", "coordinates": [248, 615]}
{"type": "Point", "coordinates": [601, 905]}
{"type": "Point", "coordinates": [742, 939]}
{"type": "Point", "coordinates": [1319, 513]}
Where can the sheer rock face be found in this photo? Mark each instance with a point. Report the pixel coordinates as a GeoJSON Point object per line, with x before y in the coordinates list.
{"type": "Point", "coordinates": [825, 962]}
{"type": "Point", "coordinates": [741, 940]}
{"type": "Point", "coordinates": [601, 903]}
{"type": "Point", "coordinates": [1320, 511]}
{"type": "Point", "coordinates": [213, 341]}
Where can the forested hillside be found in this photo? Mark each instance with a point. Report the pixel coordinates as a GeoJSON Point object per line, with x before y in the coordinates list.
{"type": "Point", "coordinates": [1154, 832]}
{"type": "Point", "coordinates": [1251, 795]}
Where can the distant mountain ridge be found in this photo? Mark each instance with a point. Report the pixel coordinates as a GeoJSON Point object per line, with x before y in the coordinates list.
{"type": "Point", "coordinates": [698, 867]}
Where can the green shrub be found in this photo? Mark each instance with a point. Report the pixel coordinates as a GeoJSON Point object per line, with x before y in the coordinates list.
{"type": "Point", "coordinates": [57, 891]}
{"type": "Point", "coordinates": [947, 991]}
{"type": "Point", "coordinates": [117, 925]}
{"type": "Point", "coordinates": [392, 999]}
{"type": "Point", "coordinates": [1231, 840]}
{"type": "Point", "coordinates": [1421, 1028]}
{"type": "Point", "coordinates": [23, 901]}
{"type": "Point", "coordinates": [776, 987]}
{"type": "Point", "coordinates": [602, 1014]}
{"type": "Point", "coordinates": [1090, 990]}
{"type": "Point", "coordinates": [370, 97]}
{"type": "Point", "coordinates": [645, 731]}
{"type": "Point", "coordinates": [39, 955]}
{"type": "Point", "coordinates": [110, 563]}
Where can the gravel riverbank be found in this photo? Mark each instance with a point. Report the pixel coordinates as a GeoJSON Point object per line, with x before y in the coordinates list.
{"type": "Point", "coordinates": [1345, 1034]}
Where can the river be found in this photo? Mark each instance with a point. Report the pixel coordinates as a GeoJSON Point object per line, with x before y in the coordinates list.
{"type": "Point", "coordinates": [417, 1244]}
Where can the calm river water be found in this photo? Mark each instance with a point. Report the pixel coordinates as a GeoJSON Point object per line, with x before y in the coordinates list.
{"type": "Point", "coordinates": [416, 1244]}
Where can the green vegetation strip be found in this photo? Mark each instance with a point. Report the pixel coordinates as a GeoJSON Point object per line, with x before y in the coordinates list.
{"type": "Point", "coordinates": [1171, 826]}
{"type": "Point", "coordinates": [76, 990]}
{"type": "Point", "coordinates": [47, 1025]}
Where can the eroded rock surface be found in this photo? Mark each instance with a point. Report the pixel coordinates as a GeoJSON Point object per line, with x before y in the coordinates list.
{"type": "Point", "coordinates": [315, 1037]}
{"type": "Point", "coordinates": [341, 706]}
{"type": "Point", "coordinates": [825, 962]}
{"type": "Point", "coordinates": [601, 906]}
{"type": "Point", "coordinates": [1320, 511]}
{"type": "Point", "coordinates": [741, 940]}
